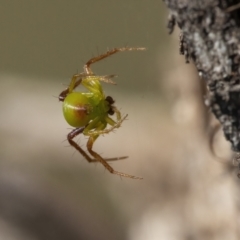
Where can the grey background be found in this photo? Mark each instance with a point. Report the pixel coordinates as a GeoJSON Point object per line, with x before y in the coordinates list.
{"type": "Point", "coordinates": [54, 38]}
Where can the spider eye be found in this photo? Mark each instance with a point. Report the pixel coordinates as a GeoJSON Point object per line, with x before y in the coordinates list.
{"type": "Point", "coordinates": [76, 109]}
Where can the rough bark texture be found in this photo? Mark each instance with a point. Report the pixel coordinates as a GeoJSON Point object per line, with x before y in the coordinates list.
{"type": "Point", "coordinates": [211, 39]}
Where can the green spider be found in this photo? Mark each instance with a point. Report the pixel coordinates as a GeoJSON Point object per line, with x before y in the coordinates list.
{"type": "Point", "coordinates": [89, 111]}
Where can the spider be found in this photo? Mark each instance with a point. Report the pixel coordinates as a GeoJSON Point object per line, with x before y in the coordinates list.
{"type": "Point", "coordinates": [89, 112]}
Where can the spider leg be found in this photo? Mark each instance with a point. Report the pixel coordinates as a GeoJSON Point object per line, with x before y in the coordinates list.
{"type": "Point", "coordinates": [70, 137]}
{"type": "Point", "coordinates": [76, 80]}
{"type": "Point", "coordinates": [87, 68]}
{"type": "Point", "coordinates": [90, 143]}
{"type": "Point", "coordinates": [108, 79]}
{"type": "Point", "coordinates": [118, 114]}
{"type": "Point", "coordinates": [110, 121]}
{"type": "Point", "coordinates": [78, 131]}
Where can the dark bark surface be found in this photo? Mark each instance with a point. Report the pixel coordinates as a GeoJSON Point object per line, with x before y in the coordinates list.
{"type": "Point", "coordinates": [211, 39]}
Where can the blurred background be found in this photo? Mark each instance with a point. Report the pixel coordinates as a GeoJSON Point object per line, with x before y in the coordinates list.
{"type": "Point", "coordinates": [48, 191]}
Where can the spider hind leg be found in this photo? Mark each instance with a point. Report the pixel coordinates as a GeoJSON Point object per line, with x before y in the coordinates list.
{"type": "Point", "coordinates": [72, 143]}
{"type": "Point", "coordinates": [96, 156]}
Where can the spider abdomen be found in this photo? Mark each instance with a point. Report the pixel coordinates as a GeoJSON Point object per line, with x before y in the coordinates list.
{"type": "Point", "coordinates": [77, 109]}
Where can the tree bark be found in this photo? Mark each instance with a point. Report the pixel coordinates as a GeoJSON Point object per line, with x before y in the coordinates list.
{"type": "Point", "coordinates": [211, 39]}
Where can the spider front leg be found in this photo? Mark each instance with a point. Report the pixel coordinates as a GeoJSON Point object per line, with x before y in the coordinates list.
{"type": "Point", "coordinates": [90, 143]}
{"type": "Point", "coordinates": [78, 131]}
{"type": "Point", "coordinates": [87, 68]}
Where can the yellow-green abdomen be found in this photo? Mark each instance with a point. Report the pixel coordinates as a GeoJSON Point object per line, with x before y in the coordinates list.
{"type": "Point", "coordinates": [77, 109]}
